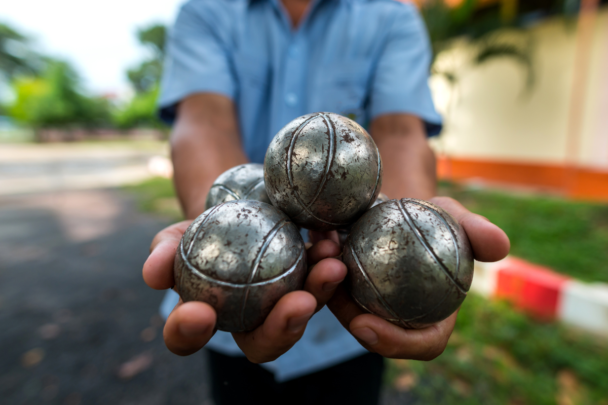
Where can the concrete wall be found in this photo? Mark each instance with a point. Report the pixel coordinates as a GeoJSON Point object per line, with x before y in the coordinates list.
{"type": "Point", "coordinates": [492, 118]}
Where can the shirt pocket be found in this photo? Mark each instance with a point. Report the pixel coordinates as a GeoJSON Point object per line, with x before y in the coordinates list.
{"type": "Point", "coordinates": [343, 88]}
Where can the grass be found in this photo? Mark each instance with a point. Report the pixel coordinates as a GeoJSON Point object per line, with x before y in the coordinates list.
{"type": "Point", "coordinates": [157, 195]}
{"type": "Point", "coordinates": [497, 355]}
{"type": "Point", "coordinates": [569, 237]}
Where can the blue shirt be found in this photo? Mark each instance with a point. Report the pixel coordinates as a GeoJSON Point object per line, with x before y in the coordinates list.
{"type": "Point", "coordinates": [359, 58]}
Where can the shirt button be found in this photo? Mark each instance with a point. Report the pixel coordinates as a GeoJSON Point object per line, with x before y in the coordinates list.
{"type": "Point", "coordinates": [291, 99]}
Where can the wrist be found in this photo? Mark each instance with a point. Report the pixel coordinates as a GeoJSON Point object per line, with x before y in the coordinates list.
{"type": "Point", "coordinates": [194, 206]}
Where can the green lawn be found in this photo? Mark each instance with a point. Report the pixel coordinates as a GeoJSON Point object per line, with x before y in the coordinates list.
{"type": "Point", "coordinates": [569, 237]}
{"type": "Point", "coordinates": [497, 355]}
{"type": "Point", "coordinates": [157, 195]}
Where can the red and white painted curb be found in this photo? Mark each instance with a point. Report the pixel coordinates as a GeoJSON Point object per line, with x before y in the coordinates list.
{"type": "Point", "coordinates": [544, 294]}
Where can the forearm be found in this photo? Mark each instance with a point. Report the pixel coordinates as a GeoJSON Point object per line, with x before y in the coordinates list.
{"type": "Point", "coordinates": [407, 159]}
{"type": "Point", "coordinates": [204, 143]}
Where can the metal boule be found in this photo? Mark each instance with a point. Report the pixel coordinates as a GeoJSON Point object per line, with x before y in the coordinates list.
{"type": "Point", "coordinates": [344, 232]}
{"type": "Point", "coordinates": [323, 170]}
{"type": "Point", "coordinates": [240, 257]}
{"type": "Point", "coordinates": [243, 182]}
{"type": "Point", "coordinates": [408, 262]}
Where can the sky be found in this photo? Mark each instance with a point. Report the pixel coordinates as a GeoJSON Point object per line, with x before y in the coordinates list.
{"type": "Point", "coordinates": [97, 37]}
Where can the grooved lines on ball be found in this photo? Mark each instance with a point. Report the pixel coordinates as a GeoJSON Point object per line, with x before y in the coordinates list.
{"type": "Point", "coordinates": [373, 198]}
{"type": "Point", "coordinates": [235, 194]}
{"type": "Point", "coordinates": [252, 188]}
{"type": "Point", "coordinates": [330, 158]}
{"type": "Point", "coordinates": [228, 190]}
{"type": "Point", "coordinates": [427, 247]}
{"type": "Point", "coordinates": [404, 322]}
{"type": "Point", "coordinates": [379, 296]}
{"type": "Point", "coordinates": [256, 263]}
{"type": "Point", "coordinates": [235, 285]}
{"type": "Point", "coordinates": [449, 228]}
{"type": "Point", "coordinates": [200, 226]}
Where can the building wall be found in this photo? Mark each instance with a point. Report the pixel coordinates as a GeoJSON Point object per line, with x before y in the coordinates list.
{"type": "Point", "coordinates": [493, 118]}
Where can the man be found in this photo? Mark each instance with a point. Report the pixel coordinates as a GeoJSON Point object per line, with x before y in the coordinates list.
{"type": "Point", "coordinates": [238, 71]}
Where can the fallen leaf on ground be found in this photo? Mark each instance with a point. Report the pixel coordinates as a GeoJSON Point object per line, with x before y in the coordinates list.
{"type": "Point", "coordinates": [570, 391]}
{"type": "Point", "coordinates": [462, 387]}
{"type": "Point", "coordinates": [406, 381]}
{"type": "Point", "coordinates": [135, 366]}
{"type": "Point", "coordinates": [49, 331]}
{"type": "Point", "coordinates": [32, 357]}
{"type": "Point", "coordinates": [148, 334]}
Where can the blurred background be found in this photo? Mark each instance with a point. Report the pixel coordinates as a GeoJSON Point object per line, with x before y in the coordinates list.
{"type": "Point", "coordinates": [85, 184]}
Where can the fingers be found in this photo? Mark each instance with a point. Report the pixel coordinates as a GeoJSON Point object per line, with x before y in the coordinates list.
{"type": "Point", "coordinates": [489, 242]}
{"type": "Point", "coordinates": [386, 339]}
{"type": "Point", "coordinates": [323, 280]}
{"type": "Point", "coordinates": [322, 250]}
{"type": "Point", "coordinates": [344, 307]}
{"type": "Point", "coordinates": [327, 273]}
{"type": "Point", "coordinates": [392, 341]}
{"type": "Point", "coordinates": [158, 268]}
{"type": "Point", "coordinates": [315, 236]}
{"type": "Point", "coordinates": [189, 327]}
{"type": "Point", "coordinates": [282, 328]}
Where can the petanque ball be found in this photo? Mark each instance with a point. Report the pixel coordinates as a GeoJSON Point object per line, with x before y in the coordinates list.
{"type": "Point", "coordinates": [344, 232]}
{"type": "Point", "coordinates": [323, 170]}
{"type": "Point", "coordinates": [244, 182]}
{"type": "Point", "coordinates": [408, 262]}
{"type": "Point", "coordinates": [240, 257]}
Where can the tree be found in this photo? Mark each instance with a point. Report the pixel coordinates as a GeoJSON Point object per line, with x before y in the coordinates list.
{"type": "Point", "coordinates": [16, 55]}
{"type": "Point", "coordinates": [54, 100]}
{"type": "Point", "coordinates": [147, 75]}
{"type": "Point", "coordinates": [145, 79]}
{"type": "Point", "coordinates": [154, 38]}
{"type": "Point", "coordinates": [140, 112]}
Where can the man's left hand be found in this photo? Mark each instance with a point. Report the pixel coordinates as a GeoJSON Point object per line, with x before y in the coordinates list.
{"type": "Point", "coordinates": [489, 244]}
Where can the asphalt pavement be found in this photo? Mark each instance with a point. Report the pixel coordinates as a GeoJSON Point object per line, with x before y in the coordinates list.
{"type": "Point", "coordinates": [78, 325]}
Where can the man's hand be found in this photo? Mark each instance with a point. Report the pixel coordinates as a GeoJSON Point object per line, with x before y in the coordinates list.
{"type": "Point", "coordinates": [192, 324]}
{"type": "Point", "coordinates": [489, 244]}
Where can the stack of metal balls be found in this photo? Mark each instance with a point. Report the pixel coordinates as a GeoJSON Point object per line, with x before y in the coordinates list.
{"type": "Point", "coordinates": [408, 261]}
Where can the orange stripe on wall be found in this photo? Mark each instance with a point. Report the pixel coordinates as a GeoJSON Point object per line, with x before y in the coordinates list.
{"type": "Point", "coordinates": [581, 183]}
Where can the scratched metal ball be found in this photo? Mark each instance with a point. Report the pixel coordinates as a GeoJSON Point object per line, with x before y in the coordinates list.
{"type": "Point", "coordinates": [244, 182]}
{"type": "Point", "coordinates": [344, 232]}
{"type": "Point", "coordinates": [323, 170]}
{"type": "Point", "coordinates": [240, 257]}
{"type": "Point", "coordinates": [408, 262]}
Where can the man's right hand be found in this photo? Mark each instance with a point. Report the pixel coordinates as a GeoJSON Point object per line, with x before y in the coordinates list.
{"type": "Point", "coordinates": [191, 324]}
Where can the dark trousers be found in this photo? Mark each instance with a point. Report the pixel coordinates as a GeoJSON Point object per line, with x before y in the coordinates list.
{"type": "Point", "coordinates": [236, 381]}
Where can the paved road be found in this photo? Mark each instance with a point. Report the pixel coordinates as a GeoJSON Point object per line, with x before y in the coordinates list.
{"type": "Point", "coordinates": [78, 325]}
{"type": "Point", "coordinates": [31, 168]}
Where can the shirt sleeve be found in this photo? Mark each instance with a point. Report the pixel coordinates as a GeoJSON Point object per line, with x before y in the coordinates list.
{"type": "Point", "coordinates": [196, 61]}
{"type": "Point", "coordinates": [400, 83]}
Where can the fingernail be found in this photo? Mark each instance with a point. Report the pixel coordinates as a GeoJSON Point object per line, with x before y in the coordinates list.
{"type": "Point", "coordinates": [367, 335]}
{"type": "Point", "coordinates": [295, 325]}
{"type": "Point", "coordinates": [330, 286]}
{"type": "Point", "coordinates": [192, 330]}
